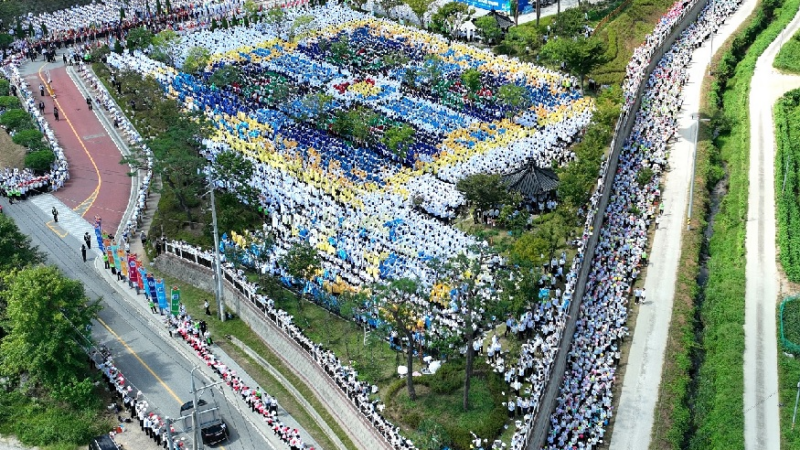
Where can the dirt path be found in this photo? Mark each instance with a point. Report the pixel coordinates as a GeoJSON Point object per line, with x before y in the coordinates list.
{"type": "Point", "coordinates": [761, 413]}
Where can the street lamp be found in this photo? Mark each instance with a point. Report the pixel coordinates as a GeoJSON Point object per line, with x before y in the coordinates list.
{"type": "Point", "coordinates": [217, 261]}
{"type": "Point", "coordinates": [694, 161]}
{"type": "Point", "coordinates": [195, 424]}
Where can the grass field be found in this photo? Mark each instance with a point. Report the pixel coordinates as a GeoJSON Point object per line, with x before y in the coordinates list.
{"type": "Point", "coordinates": [788, 59]}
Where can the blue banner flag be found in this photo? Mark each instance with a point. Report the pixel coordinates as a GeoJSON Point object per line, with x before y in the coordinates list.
{"type": "Point", "coordinates": [99, 235]}
{"type": "Point", "coordinates": [161, 293]}
{"type": "Point", "coordinates": [143, 275]}
{"type": "Point", "coordinates": [151, 286]}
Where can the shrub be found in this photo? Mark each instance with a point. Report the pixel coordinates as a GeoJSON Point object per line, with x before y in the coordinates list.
{"type": "Point", "coordinates": [448, 378]}
{"type": "Point", "coordinates": [32, 139]}
{"type": "Point", "coordinates": [16, 119]}
{"type": "Point", "coordinates": [40, 161]}
{"type": "Point", "coordinates": [9, 102]}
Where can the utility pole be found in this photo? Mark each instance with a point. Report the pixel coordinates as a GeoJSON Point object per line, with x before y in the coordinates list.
{"type": "Point", "coordinates": [217, 262]}
{"type": "Point", "coordinates": [170, 444]}
{"type": "Point", "coordinates": [195, 434]}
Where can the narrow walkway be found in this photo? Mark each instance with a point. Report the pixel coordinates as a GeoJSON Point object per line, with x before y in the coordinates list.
{"type": "Point", "coordinates": [633, 424]}
{"type": "Point", "coordinates": [761, 413]}
{"type": "Point", "coordinates": [99, 184]}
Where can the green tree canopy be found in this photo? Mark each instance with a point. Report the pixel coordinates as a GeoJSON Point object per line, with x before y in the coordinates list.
{"type": "Point", "coordinates": [483, 191]}
{"type": "Point", "coordinates": [514, 96]}
{"type": "Point", "coordinates": [16, 247]}
{"type": "Point", "coordinates": [400, 313]}
{"type": "Point", "coordinates": [522, 41]}
{"type": "Point", "coordinates": [449, 18]}
{"type": "Point", "coordinates": [6, 40]}
{"type": "Point", "coordinates": [398, 139]}
{"type": "Point", "coordinates": [235, 171]}
{"type": "Point", "coordinates": [196, 59]}
{"type": "Point", "coordinates": [226, 75]}
{"type": "Point", "coordinates": [419, 8]}
{"type": "Point", "coordinates": [276, 18]}
{"type": "Point", "coordinates": [31, 139]}
{"type": "Point", "coordinates": [48, 319]}
{"type": "Point", "coordinates": [489, 29]}
{"type": "Point", "coordinates": [139, 38]}
{"type": "Point", "coordinates": [302, 261]}
{"type": "Point", "coordinates": [580, 55]}
{"type": "Point", "coordinates": [472, 80]}
{"type": "Point", "coordinates": [15, 120]}
{"type": "Point", "coordinates": [165, 47]}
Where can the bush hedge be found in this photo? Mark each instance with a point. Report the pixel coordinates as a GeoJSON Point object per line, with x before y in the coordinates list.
{"type": "Point", "coordinates": [5, 87]}
{"type": "Point", "coordinates": [9, 102]}
{"type": "Point", "coordinates": [787, 189]}
{"type": "Point", "coordinates": [40, 161]}
{"type": "Point", "coordinates": [16, 119]}
{"type": "Point", "coordinates": [788, 59]}
{"type": "Point", "coordinates": [31, 139]}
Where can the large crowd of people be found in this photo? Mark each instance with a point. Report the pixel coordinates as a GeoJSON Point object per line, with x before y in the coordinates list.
{"type": "Point", "coordinates": [584, 407]}
{"type": "Point", "coordinates": [18, 183]}
{"type": "Point", "coordinates": [358, 206]}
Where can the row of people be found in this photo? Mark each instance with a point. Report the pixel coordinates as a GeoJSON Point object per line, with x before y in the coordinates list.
{"type": "Point", "coordinates": [584, 407]}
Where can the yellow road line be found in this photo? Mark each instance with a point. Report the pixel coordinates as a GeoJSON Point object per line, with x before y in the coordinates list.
{"type": "Point", "coordinates": [52, 227]}
{"type": "Point", "coordinates": [69, 122]}
{"type": "Point", "coordinates": [144, 364]}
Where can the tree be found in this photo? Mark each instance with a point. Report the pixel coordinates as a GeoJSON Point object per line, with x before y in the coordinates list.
{"type": "Point", "coordinates": [159, 10]}
{"type": "Point", "coordinates": [15, 120]}
{"type": "Point", "coordinates": [40, 161]}
{"type": "Point", "coordinates": [139, 37]}
{"type": "Point", "coordinates": [5, 40]}
{"type": "Point", "coordinates": [419, 8]}
{"type": "Point", "coordinates": [483, 191]}
{"type": "Point", "coordinates": [513, 96]}
{"type": "Point", "coordinates": [470, 285]}
{"type": "Point", "coordinates": [449, 18]}
{"type": "Point", "coordinates": [489, 28]}
{"type": "Point", "coordinates": [300, 26]}
{"type": "Point", "coordinates": [569, 24]}
{"type": "Point", "coordinates": [226, 75]}
{"type": "Point", "coordinates": [398, 139]}
{"type": "Point", "coordinates": [397, 308]}
{"type": "Point", "coordinates": [30, 139]}
{"type": "Point", "coordinates": [31, 31]}
{"type": "Point", "coordinates": [168, 7]}
{"type": "Point", "coordinates": [580, 56]}
{"type": "Point", "coordinates": [44, 29]}
{"type": "Point", "coordinates": [165, 47]}
{"type": "Point", "coordinates": [251, 10]}
{"type": "Point", "coordinates": [302, 262]}
{"type": "Point", "coordinates": [522, 41]}
{"type": "Point", "coordinates": [388, 5]}
{"type": "Point", "coordinates": [16, 247]}
{"type": "Point", "coordinates": [235, 172]}
{"type": "Point", "coordinates": [177, 158]}
{"type": "Point", "coordinates": [514, 8]}
{"type": "Point", "coordinates": [196, 59]}
{"type": "Point", "coordinates": [541, 244]}
{"type": "Point", "coordinates": [118, 47]}
{"type": "Point", "coordinates": [276, 18]}
{"type": "Point", "coordinates": [49, 318]}
{"type": "Point", "coordinates": [472, 81]}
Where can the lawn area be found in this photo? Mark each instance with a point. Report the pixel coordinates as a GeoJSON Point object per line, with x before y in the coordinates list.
{"type": "Point", "coordinates": [623, 34]}
{"type": "Point", "coordinates": [789, 374]}
{"type": "Point", "coordinates": [788, 59]}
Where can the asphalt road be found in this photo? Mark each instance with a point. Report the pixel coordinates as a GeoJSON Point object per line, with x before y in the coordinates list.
{"type": "Point", "coordinates": [143, 354]}
{"type": "Point", "coordinates": [761, 412]}
{"type": "Point", "coordinates": [635, 416]}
